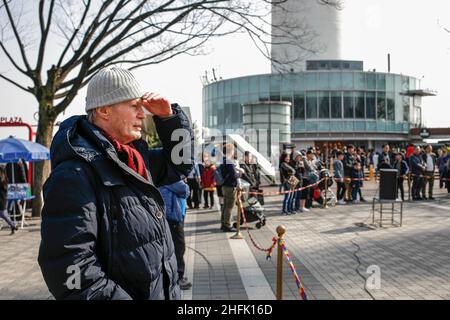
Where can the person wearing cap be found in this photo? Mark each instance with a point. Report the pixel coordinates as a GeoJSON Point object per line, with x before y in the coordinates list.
{"type": "Point", "coordinates": [104, 234]}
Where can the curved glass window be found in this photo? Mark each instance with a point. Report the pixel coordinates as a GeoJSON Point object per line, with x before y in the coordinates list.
{"type": "Point", "coordinates": [311, 81]}
{"type": "Point", "coordinates": [335, 80]}
{"type": "Point", "coordinates": [299, 107]}
{"type": "Point", "coordinates": [227, 112]}
{"type": "Point", "coordinates": [235, 87]}
{"type": "Point", "coordinates": [360, 81]}
{"type": "Point", "coordinates": [236, 110]}
{"type": "Point", "coordinates": [254, 85]}
{"type": "Point", "coordinates": [264, 84]}
{"type": "Point", "coordinates": [390, 106]}
{"type": "Point", "coordinates": [324, 105]}
{"type": "Point", "coordinates": [287, 82]}
{"type": "Point", "coordinates": [228, 88]}
{"type": "Point", "coordinates": [349, 105]}
{"type": "Point", "coordinates": [381, 82]}
{"type": "Point", "coordinates": [264, 96]}
{"type": "Point", "coordinates": [371, 81]}
{"type": "Point", "coordinates": [359, 97]}
{"type": "Point", "coordinates": [311, 105]}
{"type": "Point", "coordinates": [322, 80]}
{"type": "Point", "coordinates": [336, 104]}
{"type": "Point", "coordinates": [243, 85]}
{"type": "Point", "coordinates": [370, 105]}
{"type": "Point", "coordinates": [275, 96]}
{"type": "Point", "coordinates": [381, 106]}
{"type": "Point", "coordinates": [359, 105]}
{"type": "Point", "coordinates": [347, 80]}
{"type": "Point", "coordinates": [390, 83]}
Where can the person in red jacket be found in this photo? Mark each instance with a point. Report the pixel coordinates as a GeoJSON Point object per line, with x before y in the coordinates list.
{"type": "Point", "coordinates": [409, 151]}
{"type": "Point", "coordinates": [208, 183]}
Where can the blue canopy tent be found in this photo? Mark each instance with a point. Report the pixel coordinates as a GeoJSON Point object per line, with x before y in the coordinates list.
{"type": "Point", "coordinates": [13, 150]}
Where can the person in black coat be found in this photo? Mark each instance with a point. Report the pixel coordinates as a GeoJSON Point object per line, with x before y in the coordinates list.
{"type": "Point", "coordinates": [417, 172]}
{"type": "Point", "coordinates": [386, 159]}
{"type": "Point", "coordinates": [402, 171]}
{"type": "Point", "coordinates": [4, 199]}
{"type": "Point", "coordinates": [104, 232]}
{"type": "Point", "coordinates": [349, 162]}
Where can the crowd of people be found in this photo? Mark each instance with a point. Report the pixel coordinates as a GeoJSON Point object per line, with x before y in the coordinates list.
{"type": "Point", "coordinates": [299, 169]}
{"type": "Point", "coordinates": [222, 176]}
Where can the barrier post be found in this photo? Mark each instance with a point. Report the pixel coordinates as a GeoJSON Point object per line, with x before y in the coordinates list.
{"type": "Point", "coordinates": [238, 234]}
{"type": "Point", "coordinates": [325, 201]}
{"type": "Point", "coordinates": [281, 230]}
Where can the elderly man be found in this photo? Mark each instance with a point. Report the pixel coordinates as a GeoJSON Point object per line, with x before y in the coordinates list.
{"type": "Point", "coordinates": [104, 232]}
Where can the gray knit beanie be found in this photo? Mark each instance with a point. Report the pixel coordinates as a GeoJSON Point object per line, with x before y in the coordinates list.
{"type": "Point", "coordinates": [111, 85]}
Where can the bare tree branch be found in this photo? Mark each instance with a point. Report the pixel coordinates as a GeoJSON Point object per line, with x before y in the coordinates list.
{"type": "Point", "coordinates": [44, 34]}
{"type": "Point", "coordinates": [17, 37]}
{"type": "Point", "coordinates": [15, 83]}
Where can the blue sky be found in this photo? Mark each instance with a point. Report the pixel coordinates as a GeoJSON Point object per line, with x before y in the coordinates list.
{"type": "Point", "coordinates": [410, 30]}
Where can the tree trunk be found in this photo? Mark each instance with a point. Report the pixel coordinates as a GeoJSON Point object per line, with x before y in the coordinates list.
{"type": "Point", "coordinates": [41, 169]}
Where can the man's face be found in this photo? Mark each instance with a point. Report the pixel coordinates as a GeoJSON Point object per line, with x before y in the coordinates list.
{"type": "Point", "coordinates": [429, 149]}
{"type": "Point", "coordinates": [386, 149]}
{"type": "Point", "coordinates": [351, 151]}
{"type": "Point", "coordinates": [125, 121]}
{"type": "Point", "coordinates": [417, 151]}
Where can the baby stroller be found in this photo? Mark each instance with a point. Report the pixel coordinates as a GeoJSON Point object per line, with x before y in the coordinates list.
{"type": "Point", "coordinates": [253, 209]}
{"type": "Point", "coordinates": [319, 190]}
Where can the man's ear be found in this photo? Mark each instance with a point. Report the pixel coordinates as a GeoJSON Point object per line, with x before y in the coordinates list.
{"type": "Point", "coordinates": [103, 112]}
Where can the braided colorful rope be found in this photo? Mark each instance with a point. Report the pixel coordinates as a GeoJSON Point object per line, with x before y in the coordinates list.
{"type": "Point", "coordinates": [270, 250]}
{"type": "Point", "coordinates": [294, 272]}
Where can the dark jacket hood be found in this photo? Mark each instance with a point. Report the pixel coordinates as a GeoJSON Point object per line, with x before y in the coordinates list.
{"type": "Point", "coordinates": [77, 138]}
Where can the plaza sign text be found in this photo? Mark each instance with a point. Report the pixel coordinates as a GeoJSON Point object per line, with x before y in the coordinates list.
{"type": "Point", "coordinates": [11, 119]}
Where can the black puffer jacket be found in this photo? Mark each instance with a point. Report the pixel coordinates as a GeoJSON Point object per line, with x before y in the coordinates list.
{"type": "Point", "coordinates": [107, 220]}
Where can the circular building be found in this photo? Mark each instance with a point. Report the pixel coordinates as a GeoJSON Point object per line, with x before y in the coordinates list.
{"type": "Point", "coordinates": [333, 103]}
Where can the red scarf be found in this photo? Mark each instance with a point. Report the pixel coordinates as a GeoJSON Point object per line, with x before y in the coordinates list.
{"type": "Point", "coordinates": [128, 154]}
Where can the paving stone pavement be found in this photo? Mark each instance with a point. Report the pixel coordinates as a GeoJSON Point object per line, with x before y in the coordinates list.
{"type": "Point", "coordinates": [414, 260]}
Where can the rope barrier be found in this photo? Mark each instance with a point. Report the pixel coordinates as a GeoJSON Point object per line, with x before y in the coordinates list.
{"type": "Point", "coordinates": [285, 192]}
{"type": "Point", "coordinates": [293, 270]}
{"type": "Point", "coordinates": [377, 179]}
{"type": "Point", "coordinates": [269, 250]}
